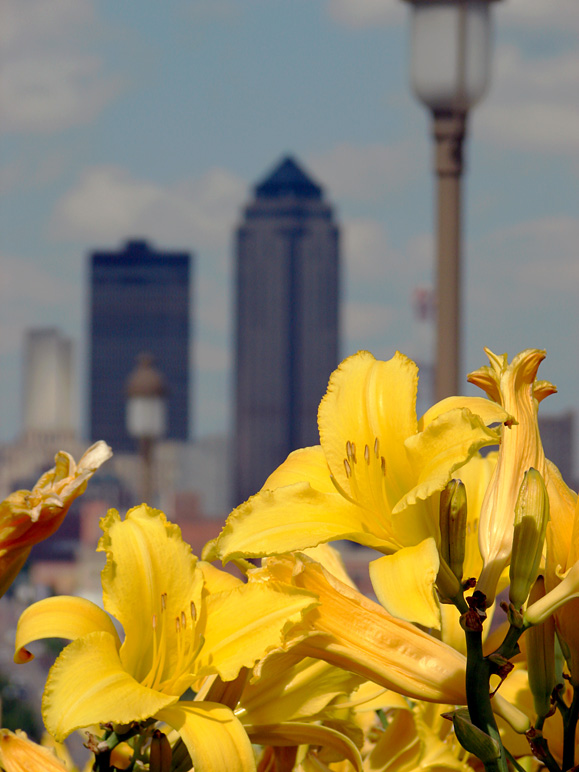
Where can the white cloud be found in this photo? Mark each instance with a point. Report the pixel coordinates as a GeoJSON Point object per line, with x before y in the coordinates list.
{"type": "Point", "coordinates": [109, 204]}
{"type": "Point", "coordinates": [531, 104]}
{"type": "Point", "coordinates": [538, 257]}
{"type": "Point", "coordinates": [33, 295]}
{"type": "Point", "coordinates": [373, 262]}
{"type": "Point", "coordinates": [366, 172]}
{"type": "Point", "coordinates": [50, 78]}
{"type": "Point", "coordinates": [28, 22]}
{"type": "Point", "coordinates": [523, 291]}
{"type": "Point", "coordinates": [366, 13]}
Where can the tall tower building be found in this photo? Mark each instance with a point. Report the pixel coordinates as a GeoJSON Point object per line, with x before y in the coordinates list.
{"type": "Point", "coordinates": [49, 385]}
{"type": "Point", "coordinates": [286, 322]}
{"type": "Point", "coordinates": [140, 300]}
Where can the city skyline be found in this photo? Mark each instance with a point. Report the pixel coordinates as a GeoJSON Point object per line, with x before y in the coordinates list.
{"type": "Point", "coordinates": [124, 122]}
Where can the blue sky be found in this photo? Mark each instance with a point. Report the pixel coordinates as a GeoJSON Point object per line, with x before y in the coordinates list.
{"type": "Point", "coordinates": [123, 118]}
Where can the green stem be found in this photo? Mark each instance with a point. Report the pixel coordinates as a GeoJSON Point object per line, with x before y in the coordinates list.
{"type": "Point", "coordinates": [510, 646]}
{"type": "Point", "coordinates": [540, 748]}
{"type": "Point", "coordinates": [569, 730]}
{"type": "Point", "coordinates": [478, 674]}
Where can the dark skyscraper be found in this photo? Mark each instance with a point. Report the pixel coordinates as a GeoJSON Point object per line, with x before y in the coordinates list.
{"type": "Point", "coordinates": [140, 300]}
{"type": "Point", "coordinates": [286, 322]}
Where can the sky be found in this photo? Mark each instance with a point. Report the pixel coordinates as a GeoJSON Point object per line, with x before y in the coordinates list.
{"type": "Point", "coordinates": [137, 119]}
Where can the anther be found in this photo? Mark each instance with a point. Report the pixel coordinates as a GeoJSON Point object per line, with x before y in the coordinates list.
{"type": "Point", "coordinates": [154, 621]}
{"type": "Point", "coordinates": [193, 612]}
{"type": "Point", "coordinates": [377, 447]}
{"type": "Point", "coordinates": [353, 446]}
{"type": "Point", "coordinates": [348, 468]}
{"type": "Point", "coordinates": [177, 625]}
{"type": "Point", "coordinates": [163, 601]}
{"type": "Point", "coordinates": [383, 465]}
{"type": "Point", "coordinates": [183, 620]}
{"type": "Point", "coordinates": [367, 454]}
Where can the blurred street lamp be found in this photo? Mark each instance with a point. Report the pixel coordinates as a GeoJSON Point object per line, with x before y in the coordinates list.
{"type": "Point", "coordinates": [450, 68]}
{"type": "Point", "coordinates": [146, 415]}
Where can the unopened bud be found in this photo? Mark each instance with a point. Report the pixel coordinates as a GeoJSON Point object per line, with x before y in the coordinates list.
{"type": "Point", "coordinates": [531, 518]}
{"type": "Point", "coordinates": [541, 656]}
{"type": "Point", "coordinates": [473, 739]}
{"type": "Point", "coordinates": [452, 517]}
{"type": "Point", "coordinates": [160, 754]}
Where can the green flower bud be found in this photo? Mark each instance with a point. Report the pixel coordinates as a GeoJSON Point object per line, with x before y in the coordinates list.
{"type": "Point", "coordinates": [531, 518]}
{"type": "Point", "coordinates": [541, 656]}
{"type": "Point", "coordinates": [452, 517]}
{"type": "Point", "coordinates": [473, 739]}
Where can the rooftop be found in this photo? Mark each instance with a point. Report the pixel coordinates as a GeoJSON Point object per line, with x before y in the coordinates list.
{"type": "Point", "coordinates": [288, 179]}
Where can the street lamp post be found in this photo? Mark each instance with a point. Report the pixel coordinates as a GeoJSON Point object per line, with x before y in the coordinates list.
{"type": "Point", "coordinates": [146, 415]}
{"type": "Point", "coordinates": [450, 65]}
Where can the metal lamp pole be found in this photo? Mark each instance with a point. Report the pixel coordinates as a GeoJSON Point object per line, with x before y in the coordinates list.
{"type": "Point", "coordinates": [450, 67]}
{"type": "Point", "coordinates": [449, 131]}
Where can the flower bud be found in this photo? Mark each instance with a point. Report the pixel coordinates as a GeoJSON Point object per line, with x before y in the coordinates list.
{"type": "Point", "coordinates": [473, 739]}
{"type": "Point", "coordinates": [541, 656]}
{"type": "Point", "coordinates": [452, 517]}
{"type": "Point", "coordinates": [160, 753]}
{"type": "Point", "coordinates": [531, 518]}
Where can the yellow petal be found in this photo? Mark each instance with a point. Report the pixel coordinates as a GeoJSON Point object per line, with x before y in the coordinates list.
{"type": "Point", "coordinates": [306, 734]}
{"type": "Point", "coordinates": [444, 446]}
{"type": "Point", "coordinates": [146, 558]}
{"type": "Point", "coordinates": [60, 617]}
{"type": "Point", "coordinates": [399, 745]}
{"type": "Point", "coordinates": [242, 624]}
{"type": "Point", "coordinates": [88, 685]}
{"type": "Point", "coordinates": [331, 560]}
{"type": "Point", "coordinates": [489, 412]}
{"type": "Point", "coordinates": [292, 518]}
{"type": "Point", "coordinates": [11, 562]}
{"type": "Point", "coordinates": [368, 400]}
{"type": "Point", "coordinates": [511, 385]}
{"type": "Point", "coordinates": [404, 583]}
{"type": "Point", "coordinates": [359, 635]}
{"type": "Point", "coordinates": [305, 464]}
{"type": "Point", "coordinates": [215, 739]}
{"type": "Point", "coordinates": [217, 580]}
{"type": "Point", "coordinates": [292, 688]}
{"type": "Point", "coordinates": [19, 754]}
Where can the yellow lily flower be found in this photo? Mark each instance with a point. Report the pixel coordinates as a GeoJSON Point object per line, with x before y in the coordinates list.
{"type": "Point", "coordinates": [417, 738]}
{"type": "Point", "coordinates": [19, 754]}
{"type": "Point", "coordinates": [28, 517]}
{"type": "Point", "coordinates": [513, 386]}
{"type": "Point", "coordinates": [352, 632]}
{"type": "Point", "coordinates": [371, 480]}
{"type": "Point", "coordinates": [176, 632]}
{"type": "Point", "coordinates": [562, 569]}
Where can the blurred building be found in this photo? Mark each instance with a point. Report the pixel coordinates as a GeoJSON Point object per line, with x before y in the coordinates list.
{"type": "Point", "coordinates": [286, 346]}
{"type": "Point", "coordinates": [48, 385]}
{"type": "Point", "coordinates": [558, 438]}
{"type": "Point", "coordinates": [139, 303]}
{"type": "Point", "coordinates": [49, 414]}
